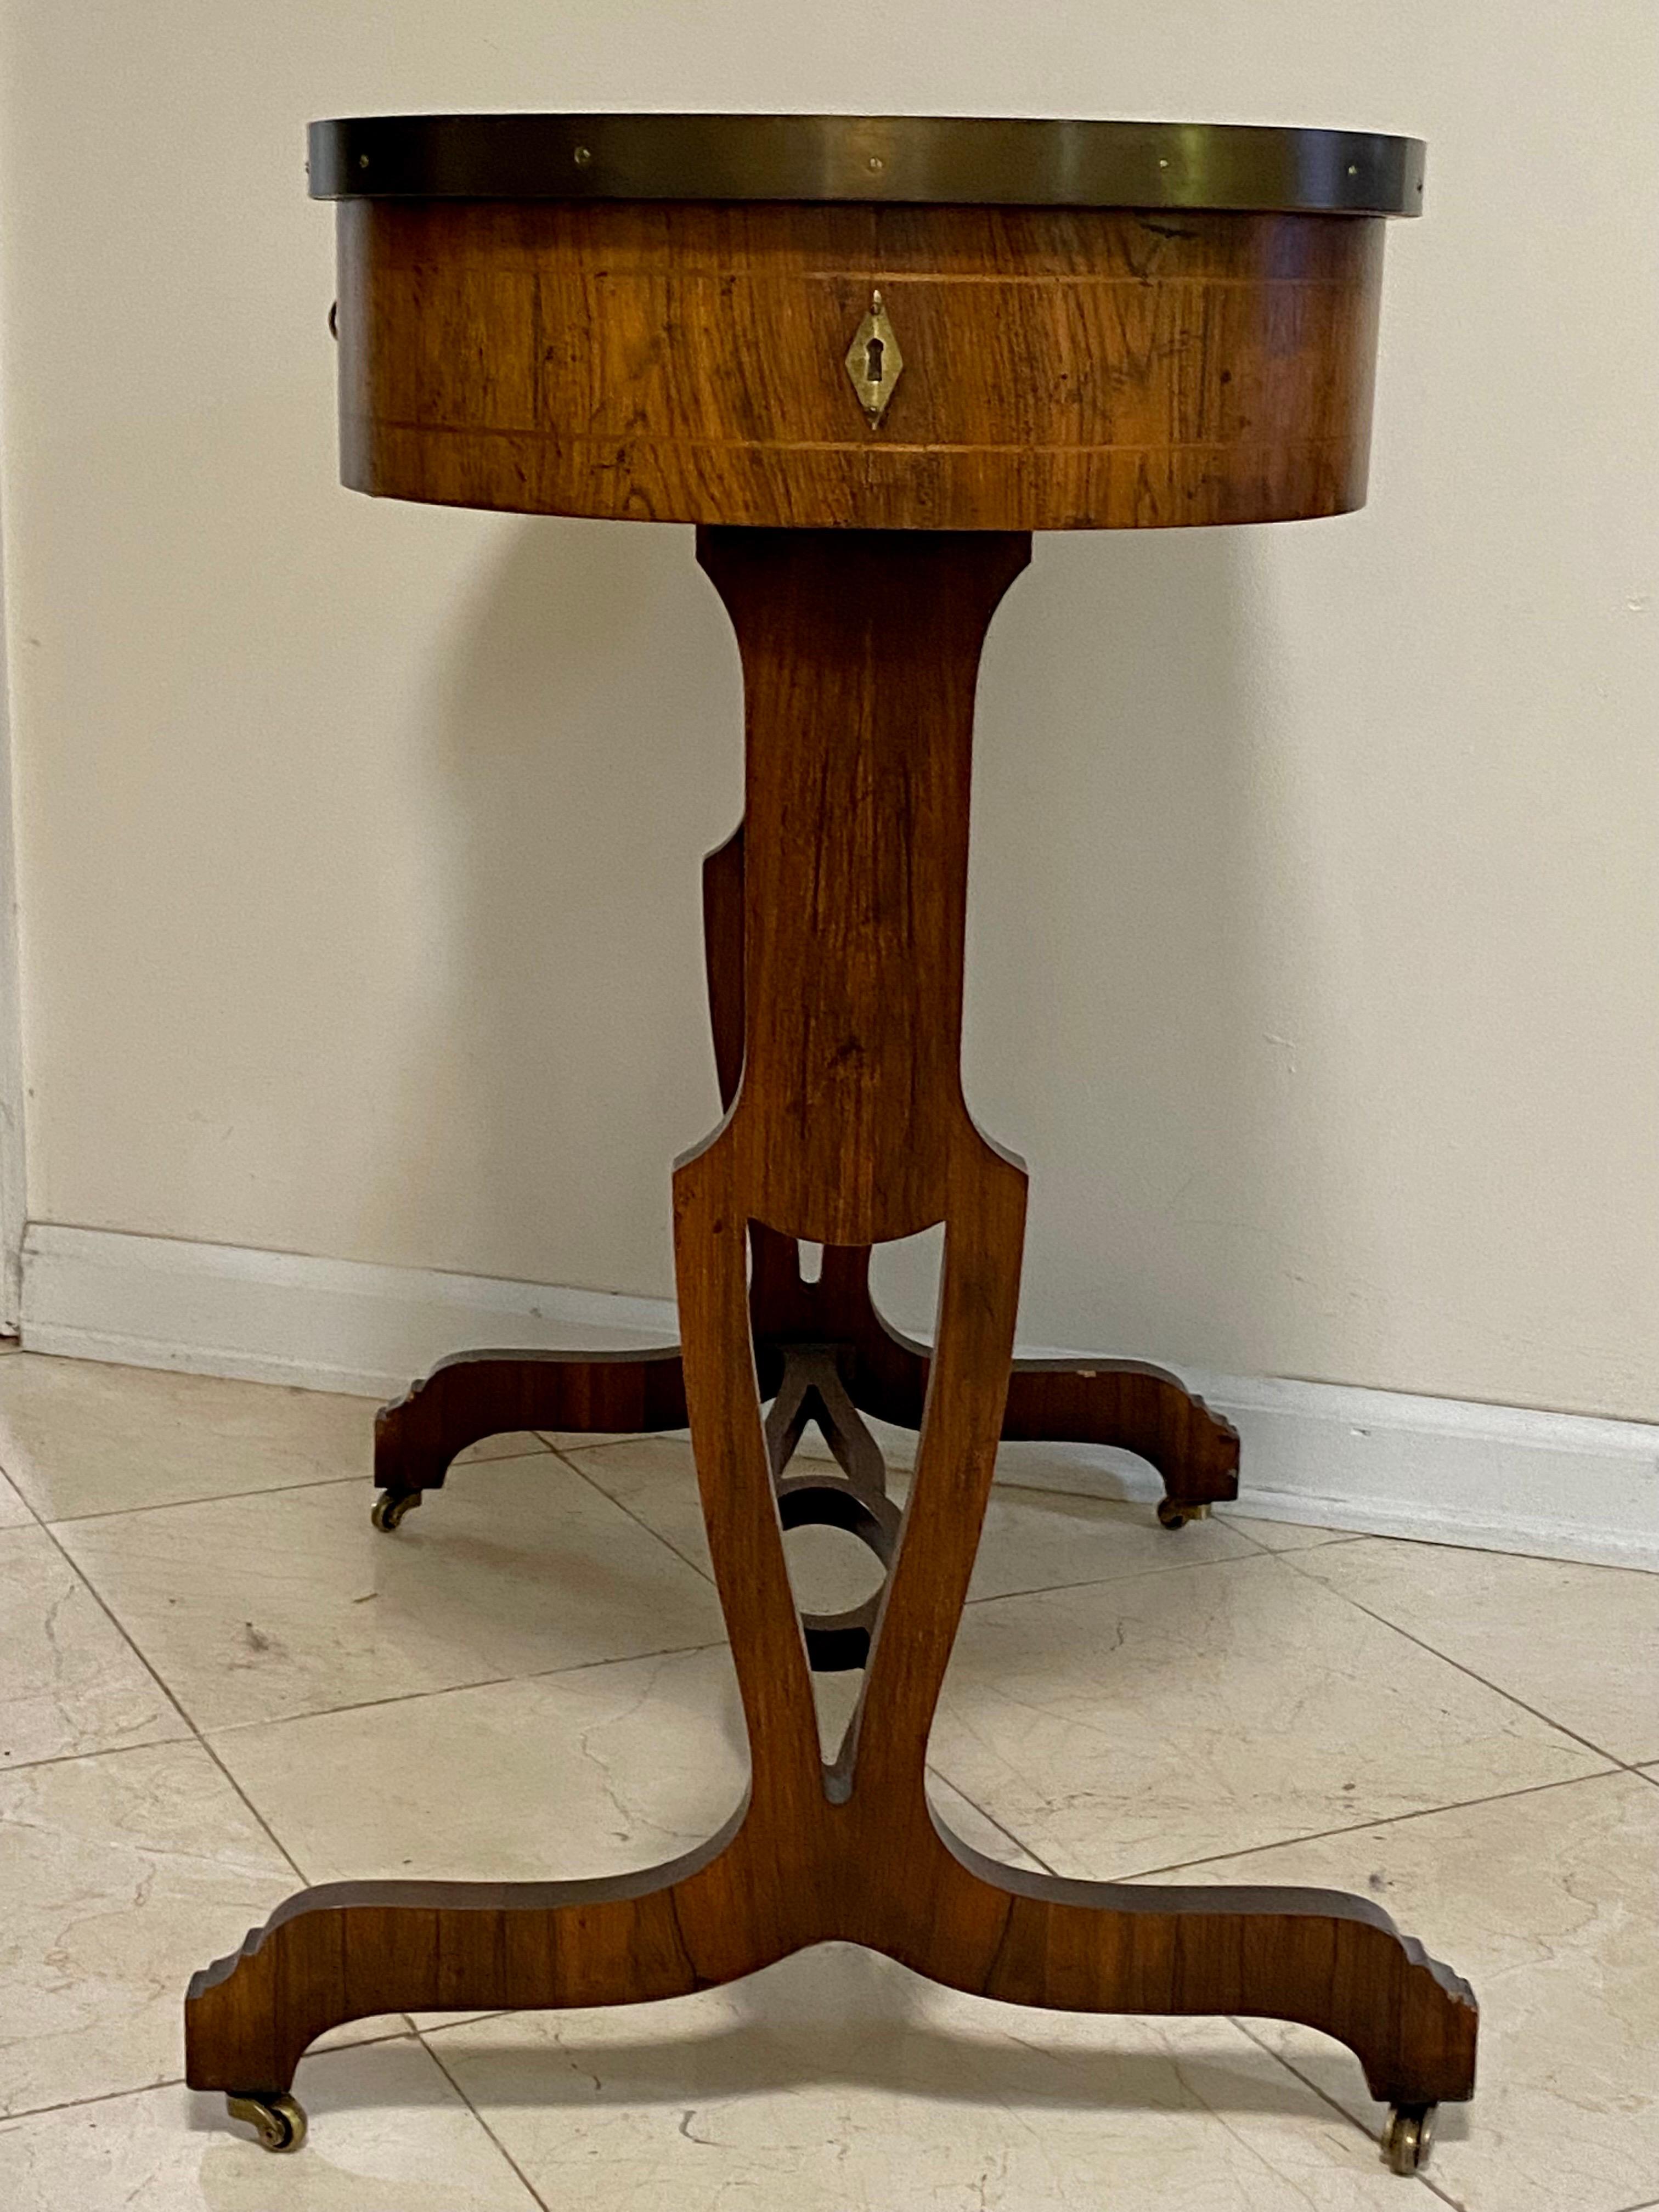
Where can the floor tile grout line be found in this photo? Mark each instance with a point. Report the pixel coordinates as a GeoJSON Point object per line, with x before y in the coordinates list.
{"type": "Point", "coordinates": [31, 1527]}
{"type": "Point", "coordinates": [1240, 1525]}
{"type": "Point", "coordinates": [82, 1579]}
{"type": "Point", "coordinates": [450, 2026]}
{"type": "Point", "coordinates": [582, 1475]}
{"type": "Point", "coordinates": [408, 2033]}
{"type": "Point", "coordinates": [24, 1500]}
{"type": "Point", "coordinates": [196, 1734]}
{"type": "Point", "coordinates": [991, 1820]}
{"type": "Point", "coordinates": [456, 1689]}
{"type": "Point", "coordinates": [469, 1455]}
{"type": "Point", "coordinates": [1497, 1691]}
{"type": "Point", "coordinates": [201, 1731]}
{"type": "Point", "coordinates": [1129, 1574]}
{"type": "Point", "coordinates": [103, 2096]}
{"type": "Point", "coordinates": [1350, 2120]}
{"type": "Point", "coordinates": [1278, 2058]}
{"type": "Point", "coordinates": [1434, 2191]}
{"type": "Point", "coordinates": [294, 1866]}
{"type": "Point", "coordinates": [1386, 1821]}
{"type": "Point", "coordinates": [122, 1630]}
{"type": "Point", "coordinates": [1220, 2114]}
{"type": "Point", "coordinates": [608, 1444]}
{"type": "Point", "coordinates": [217, 1498]}
{"type": "Point", "coordinates": [266, 1490]}
{"type": "Point", "coordinates": [1107, 1581]}
{"type": "Point", "coordinates": [536, 2196]}
{"type": "Point", "coordinates": [104, 1751]}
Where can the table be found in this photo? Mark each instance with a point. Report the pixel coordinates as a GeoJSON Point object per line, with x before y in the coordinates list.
{"type": "Point", "coordinates": [867, 357]}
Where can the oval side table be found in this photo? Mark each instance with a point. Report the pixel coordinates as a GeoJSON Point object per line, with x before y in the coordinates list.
{"type": "Point", "coordinates": [867, 357]}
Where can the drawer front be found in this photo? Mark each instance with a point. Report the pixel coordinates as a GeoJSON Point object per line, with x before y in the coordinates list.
{"type": "Point", "coordinates": [1060, 368]}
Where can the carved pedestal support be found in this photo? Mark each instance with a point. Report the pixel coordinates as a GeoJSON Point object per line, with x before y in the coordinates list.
{"type": "Point", "coordinates": [847, 1127]}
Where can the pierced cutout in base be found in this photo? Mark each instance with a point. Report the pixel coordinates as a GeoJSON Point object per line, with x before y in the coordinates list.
{"type": "Point", "coordinates": [811, 1392]}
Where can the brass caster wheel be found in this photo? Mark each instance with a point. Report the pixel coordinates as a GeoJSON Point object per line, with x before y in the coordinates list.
{"type": "Point", "coordinates": [1175, 1515]}
{"type": "Point", "coordinates": [390, 1506]}
{"type": "Point", "coordinates": [1408, 2137]}
{"type": "Point", "coordinates": [278, 2120]}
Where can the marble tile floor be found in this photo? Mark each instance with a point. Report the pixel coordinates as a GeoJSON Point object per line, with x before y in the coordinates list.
{"type": "Point", "coordinates": [217, 1682]}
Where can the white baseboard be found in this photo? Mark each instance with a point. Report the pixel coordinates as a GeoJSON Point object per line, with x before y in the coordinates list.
{"type": "Point", "coordinates": [275, 1317]}
{"type": "Point", "coordinates": [1491, 1478]}
{"type": "Point", "coordinates": [1495, 1478]}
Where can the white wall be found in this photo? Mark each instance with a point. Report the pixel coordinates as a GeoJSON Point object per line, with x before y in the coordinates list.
{"type": "Point", "coordinates": [1316, 930]}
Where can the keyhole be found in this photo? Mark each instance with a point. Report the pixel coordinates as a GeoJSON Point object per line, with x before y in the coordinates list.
{"type": "Point", "coordinates": [872, 353]}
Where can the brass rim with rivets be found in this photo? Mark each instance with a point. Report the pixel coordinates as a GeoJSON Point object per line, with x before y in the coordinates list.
{"type": "Point", "coordinates": [977, 161]}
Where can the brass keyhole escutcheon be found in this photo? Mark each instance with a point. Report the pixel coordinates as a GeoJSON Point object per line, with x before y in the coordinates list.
{"type": "Point", "coordinates": [874, 363]}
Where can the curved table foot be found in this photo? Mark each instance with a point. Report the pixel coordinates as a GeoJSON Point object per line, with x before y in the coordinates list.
{"type": "Point", "coordinates": [351, 1950]}
{"type": "Point", "coordinates": [488, 1394]}
{"type": "Point", "coordinates": [1330, 1961]}
{"type": "Point", "coordinates": [1144, 1410]}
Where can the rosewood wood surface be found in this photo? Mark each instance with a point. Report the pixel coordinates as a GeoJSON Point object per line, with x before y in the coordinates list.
{"type": "Point", "coordinates": [848, 1126]}
{"type": "Point", "coordinates": [1065, 367]}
